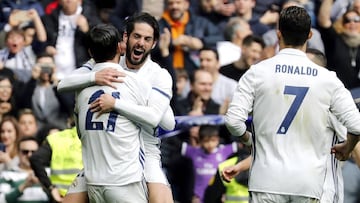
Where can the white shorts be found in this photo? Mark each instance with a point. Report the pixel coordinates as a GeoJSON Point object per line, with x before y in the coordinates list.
{"type": "Point", "coordinates": [261, 197]}
{"type": "Point", "coordinates": [153, 174]}
{"type": "Point", "coordinates": [153, 170]}
{"type": "Point", "coordinates": [79, 184]}
{"type": "Point", "coordinates": [133, 192]}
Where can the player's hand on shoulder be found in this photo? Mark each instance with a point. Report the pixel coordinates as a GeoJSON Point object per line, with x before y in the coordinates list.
{"type": "Point", "coordinates": [108, 76]}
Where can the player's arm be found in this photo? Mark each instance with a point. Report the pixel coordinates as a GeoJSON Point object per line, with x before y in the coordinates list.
{"type": "Point", "coordinates": [151, 114]}
{"type": "Point", "coordinates": [167, 122]}
{"type": "Point", "coordinates": [84, 76]}
{"type": "Point", "coordinates": [231, 171]}
{"type": "Point", "coordinates": [343, 107]}
{"type": "Point", "coordinates": [240, 107]}
{"type": "Point", "coordinates": [342, 151]}
{"type": "Point", "coordinates": [356, 154]}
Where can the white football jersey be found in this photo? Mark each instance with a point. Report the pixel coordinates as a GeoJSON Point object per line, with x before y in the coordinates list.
{"type": "Point", "coordinates": [333, 190]}
{"type": "Point", "coordinates": [112, 152]}
{"type": "Point", "coordinates": [161, 81]}
{"type": "Point", "coordinates": [291, 99]}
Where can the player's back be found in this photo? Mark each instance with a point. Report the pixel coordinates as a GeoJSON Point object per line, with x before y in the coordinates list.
{"type": "Point", "coordinates": [112, 146]}
{"type": "Point", "coordinates": [293, 98]}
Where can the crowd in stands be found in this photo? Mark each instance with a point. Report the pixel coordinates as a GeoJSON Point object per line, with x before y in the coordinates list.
{"type": "Point", "coordinates": [206, 45]}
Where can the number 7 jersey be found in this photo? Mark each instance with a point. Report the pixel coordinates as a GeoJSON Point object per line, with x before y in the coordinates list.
{"type": "Point", "coordinates": [112, 147]}
{"type": "Point", "coordinates": [291, 100]}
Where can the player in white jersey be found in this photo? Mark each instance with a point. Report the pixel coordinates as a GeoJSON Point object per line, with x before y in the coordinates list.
{"type": "Point", "coordinates": [290, 98]}
{"type": "Point", "coordinates": [113, 153]}
{"type": "Point", "coordinates": [141, 36]}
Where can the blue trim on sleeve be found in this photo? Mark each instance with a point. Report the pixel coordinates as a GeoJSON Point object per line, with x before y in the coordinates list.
{"type": "Point", "coordinates": [86, 66]}
{"type": "Point", "coordinates": [161, 92]}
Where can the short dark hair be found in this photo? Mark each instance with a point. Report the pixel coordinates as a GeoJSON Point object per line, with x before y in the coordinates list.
{"type": "Point", "coordinates": [211, 49]}
{"type": "Point", "coordinates": [27, 138]}
{"type": "Point", "coordinates": [319, 57]}
{"type": "Point", "coordinates": [43, 55]}
{"type": "Point", "coordinates": [294, 25]}
{"type": "Point", "coordinates": [248, 40]}
{"type": "Point", "coordinates": [103, 42]}
{"type": "Point", "coordinates": [142, 18]}
{"type": "Point", "coordinates": [208, 131]}
{"type": "Point", "coordinates": [192, 76]}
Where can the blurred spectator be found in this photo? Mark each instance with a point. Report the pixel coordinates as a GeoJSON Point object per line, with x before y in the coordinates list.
{"type": "Point", "coordinates": [251, 53]}
{"type": "Point", "coordinates": [182, 83]}
{"type": "Point", "coordinates": [316, 56]}
{"type": "Point", "coordinates": [49, 5]}
{"type": "Point", "coordinates": [262, 6]}
{"type": "Point", "coordinates": [15, 57]}
{"type": "Point", "coordinates": [223, 87]}
{"type": "Point", "coordinates": [7, 100]}
{"type": "Point", "coordinates": [7, 8]}
{"type": "Point", "coordinates": [235, 32]}
{"type": "Point", "coordinates": [189, 33]}
{"type": "Point", "coordinates": [310, 7]}
{"type": "Point", "coordinates": [34, 32]}
{"type": "Point", "coordinates": [126, 8]}
{"type": "Point", "coordinates": [206, 158]}
{"type": "Point", "coordinates": [340, 7]}
{"type": "Point", "coordinates": [11, 95]}
{"type": "Point", "coordinates": [217, 11]}
{"type": "Point", "coordinates": [198, 101]}
{"type": "Point", "coordinates": [236, 190]}
{"type": "Point", "coordinates": [66, 28]}
{"type": "Point", "coordinates": [22, 185]}
{"type": "Point", "coordinates": [62, 153]}
{"type": "Point", "coordinates": [28, 126]}
{"type": "Point", "coordinates": [259, 23]}
{"type": "Point", "coordinates": [105, 9]}
{"type": "Point", "coordinates": [46, 102]}
{"type": "Point", "coordinates": [9, 134]}
{"type": "Point", "coordinates": [271, 39]}
{"type": "Point", "coordinates": [342, 41]}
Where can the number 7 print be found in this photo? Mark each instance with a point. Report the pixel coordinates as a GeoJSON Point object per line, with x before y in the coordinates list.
{"type": "Point", "coordinates": [299, 93]}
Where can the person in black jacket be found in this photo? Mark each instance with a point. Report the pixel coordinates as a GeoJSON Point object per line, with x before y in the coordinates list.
{"type": "Point", "coordinates": [66, 29]}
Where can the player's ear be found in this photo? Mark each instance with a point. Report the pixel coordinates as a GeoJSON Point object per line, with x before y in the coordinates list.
{"type": "Point", "coordinates": [118, 50]}
{"type": "Point", "coordinates": [153, 46]}
{"type": "Point", "coordinates": [125, 37]}
{"type": "Point", "coordinates": [310, 34]}
{"type": "Point", "coordinates": [90, 53]}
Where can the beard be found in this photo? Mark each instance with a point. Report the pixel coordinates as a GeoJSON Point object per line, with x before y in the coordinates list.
{"type": "Point", "coordinates": [129, 52]}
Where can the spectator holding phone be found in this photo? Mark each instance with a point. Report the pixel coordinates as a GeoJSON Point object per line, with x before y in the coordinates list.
{"type": "Point", "coordinates": [49, 107]}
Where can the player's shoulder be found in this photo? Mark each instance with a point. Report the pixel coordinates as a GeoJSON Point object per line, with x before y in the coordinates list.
{"type": "Point", "coordinates": [88, 65]}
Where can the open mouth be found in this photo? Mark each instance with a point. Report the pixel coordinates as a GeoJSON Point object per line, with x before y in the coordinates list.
{"type": "Point", "coordinates": [13, 47]}
{"type": "Point", "coordinates": [138, 53]}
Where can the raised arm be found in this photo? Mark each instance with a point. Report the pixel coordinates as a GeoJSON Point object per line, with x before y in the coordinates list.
{"type": "Point", "coordinates": [324, 19]}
